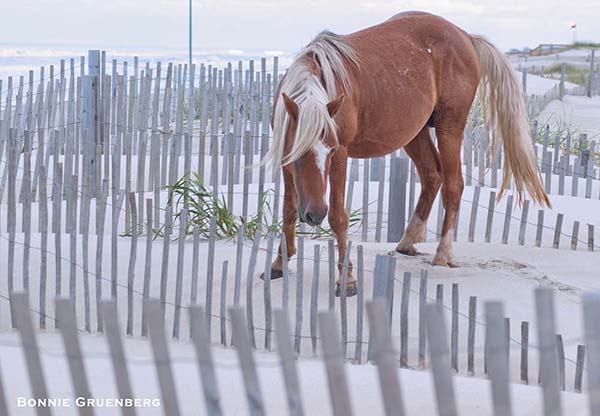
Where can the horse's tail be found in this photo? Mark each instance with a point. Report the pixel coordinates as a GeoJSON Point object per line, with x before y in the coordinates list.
{"type": "Point", "coordinates": [502, 99]}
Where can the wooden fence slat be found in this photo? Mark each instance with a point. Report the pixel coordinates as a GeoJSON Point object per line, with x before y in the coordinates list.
{"type": "Point", "coordinates": [285, 271]}
{"type": "Point", "coordinates": [473, 217]}
{"type": "Point", "coordinates": [223, 303]}
{"type": "Point", "coordinates": [591, 311]}
{"type": "Point", "coordinates": [365, 202]}
{"type": "Point", "coordinates": [84, 230]}
{"type": "Point", "coordinates": [385, 358]}
{"type": "Point", "coordinates": [267, 290]}
{"type": "Point", "coordinates": [334, 364]}
{"type": "Point", "coordinates": [162, 359]}
{"type": "Point", "coordinates": [24, 325]}
{"type": "Point", "coordinates": [11, 215]}
{"type": "Point", "coordinates": [101, 204]}
{"type": "Point", "coordinates": [360, 300]}
{"type": "Point", "coordinates": [380, 191]}
{"type": "Point", "coordinates": [422, 322]}
{"type": "Point", "coordinates": [73, 241]}
{"type": "Point", "coordinates": [3, 401]}
{"type": "Point", "coordinates": [557, 231]}
{"type": "Point", "coordinates": [383, 287]}
{"type": "Point", "coordinates": [439, 293]}
{"type": "Point", "coordinates": [525, 352]}
{"type": "Point", "coordinates": [26, 217]}
{"type": "Point", "coordinates": [314, 297]}
{"type": "Point", "coordinates": [397, 199]}
{"type": "Point", "coordinates": [490, 217]}
{"type": "Point", "coordinates": [332, 272]}
{"type": "Point", "coordinates": [147, 263]}
{"type": "Point", "coordinates": [560, 349]}
{"type": "Point", "coordinates": [454, 328]}
{"type": "Point", "coordinates": [117, 354]}
{"type": "Point", "coordinates": [164, 269]}
{"type": "Point", "coordinates": [497, 358]}
{"type": "Point", "coordinates": [195, 265]}
{"type": "Point", "coordinates": [343, 300]}
{"type": "Point", "coordinates": [204, 357]}
{"type": "Point", "coordinates": [56, 229]}
{"type": "Point", "coordinates": [523, 224]}
{"type": "Point", "coordinates": [579, 368]}
{"type": "Point", "coordinates": [132, 260]}
{"type": "Point", "coordinates": [539, 228]}
{"type": "Point", "coordinates": [471, 335]}
{"type": "Point", "coordinates": [183, 219]}
{"type": "Point", "coordinates": [43, 207]}
{"type": "Point", "coordinates": [544, 305]}
{"type": "Point", "coordinates": [246, 360]}
{"type": "Point", "coordinates": [575, 235]}
{"type": "Point", "coordinates": [590, 241]}
{"type": "Point", "coordinates": [299, 295]}
{"type": "Point", "coordinates": [239, 253]}
{"type": "Point", "coordinates": [404, 303]}
{"type": "Point", "coordinates": [65, 313]}
{"type": "Point", "coordinates": [249, 285]}
{"type": "Point", "coordinates": [440, 360]}
{"type": "Point", "coordinates": [287, 359]}
{"type": "Point", "coordinates": [507, 219]}
{"type": "Point", "coordinates": [210, 269]}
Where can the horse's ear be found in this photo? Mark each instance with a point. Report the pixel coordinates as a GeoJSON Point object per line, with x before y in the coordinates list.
{"type": "Point", "coordinates": [290, 106]}
{"type": "Point", "coordinates": [334, 106]}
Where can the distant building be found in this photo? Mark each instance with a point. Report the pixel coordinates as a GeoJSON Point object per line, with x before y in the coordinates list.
{"type": "Point", "coordinates": [549, 49]}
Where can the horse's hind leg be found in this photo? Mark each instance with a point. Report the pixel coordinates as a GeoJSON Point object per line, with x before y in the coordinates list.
{"type": "Point", "coordinates": [449, 135]}
{"type": "Point", "coordinates": [426, 158]}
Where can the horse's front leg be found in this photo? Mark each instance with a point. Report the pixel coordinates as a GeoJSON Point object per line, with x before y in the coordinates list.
{"type": "Point", "coordinates": [338, 217]}
{"type": "Point", "coordinates": [290, 216]}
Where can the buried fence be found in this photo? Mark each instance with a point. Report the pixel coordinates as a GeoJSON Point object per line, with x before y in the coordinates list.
{"type": "Point", "coordinates": [382, 352]}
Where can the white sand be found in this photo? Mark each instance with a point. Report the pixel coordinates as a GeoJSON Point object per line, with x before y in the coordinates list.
{"type": "Point", "coordinates": [578, 114]}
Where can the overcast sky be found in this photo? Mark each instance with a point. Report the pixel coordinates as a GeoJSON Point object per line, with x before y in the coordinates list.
{"type": "Point", "coordinates": [269, 25]}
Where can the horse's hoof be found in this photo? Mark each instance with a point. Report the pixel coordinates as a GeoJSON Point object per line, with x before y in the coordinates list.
{"type": "Point", "coordinates": [410, 251]}
{"type": "Point", "coordinates": [443, 261]}
{"type": "Point", "coordinates": [351, 290]}
{"type": "Point", "coordinates": [275, 274]}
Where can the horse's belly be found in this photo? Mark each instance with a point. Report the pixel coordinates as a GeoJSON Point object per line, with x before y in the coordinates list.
{"type": "Point", "coordinates": [362, 149]}
{"type": "Point", "coordinates": [380, 136]}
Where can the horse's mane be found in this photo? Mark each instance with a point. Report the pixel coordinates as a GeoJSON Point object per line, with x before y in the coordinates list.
{"type": "Point", "coordinates": [328, 51]}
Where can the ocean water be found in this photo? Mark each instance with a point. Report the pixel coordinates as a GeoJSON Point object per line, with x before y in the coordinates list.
{"type": "Point", "coordinates": [18, 60]}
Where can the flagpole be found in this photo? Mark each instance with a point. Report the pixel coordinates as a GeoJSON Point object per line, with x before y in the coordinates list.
{"type": "Point", "coordinates": [190, 38]}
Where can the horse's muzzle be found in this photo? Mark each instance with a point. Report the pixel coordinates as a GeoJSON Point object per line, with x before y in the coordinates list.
{"type": "Point", "coordinates": [315, 217]}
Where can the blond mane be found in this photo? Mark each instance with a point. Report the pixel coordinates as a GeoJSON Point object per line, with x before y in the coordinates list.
{"type": "Point", "coordinates": [306, 89]}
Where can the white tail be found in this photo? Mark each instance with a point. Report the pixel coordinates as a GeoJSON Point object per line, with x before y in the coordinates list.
{"type": "Point", "coordinates": [502, 99]}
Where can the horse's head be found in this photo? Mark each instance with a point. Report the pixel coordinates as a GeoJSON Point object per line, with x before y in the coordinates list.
{"type": "Point", "coordinates": [309, 161]}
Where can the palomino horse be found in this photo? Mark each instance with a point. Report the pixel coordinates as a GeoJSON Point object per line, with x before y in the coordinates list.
{"type": "Point", "coordinates": [369, 93]}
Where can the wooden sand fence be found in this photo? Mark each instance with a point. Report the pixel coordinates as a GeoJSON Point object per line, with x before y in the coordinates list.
{"type": "Point", "coordinates": [88, 155]}
{"type": "Point", "coordinates": [383, 353]}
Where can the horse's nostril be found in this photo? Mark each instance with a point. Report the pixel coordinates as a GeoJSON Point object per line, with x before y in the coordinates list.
{"type": "Point", "coordinates": [315, 217]}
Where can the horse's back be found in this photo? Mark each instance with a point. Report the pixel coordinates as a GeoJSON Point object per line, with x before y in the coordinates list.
{"type": "Point", "coordinates": [416, 63]}
{"type": "Point", "coordinates": [422, 29]}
